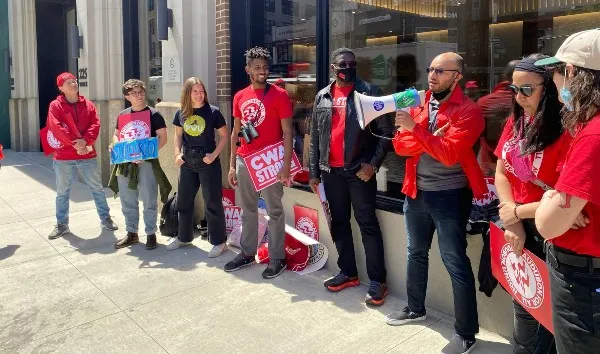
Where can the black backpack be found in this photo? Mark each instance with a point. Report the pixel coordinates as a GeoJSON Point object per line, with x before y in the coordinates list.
{"type": "Point", "coordinates": [169, 219]}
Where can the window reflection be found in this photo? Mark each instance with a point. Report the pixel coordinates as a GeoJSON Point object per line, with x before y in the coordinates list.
{"type": "Point", "coordinates": [290, 33]}
{"type": "Point", "coordinates": [395, 41]}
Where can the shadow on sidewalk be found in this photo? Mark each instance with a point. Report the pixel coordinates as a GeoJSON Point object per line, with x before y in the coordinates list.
{"type": "Point", "coordinates": [8, 251]}
{"type": "Point", "coordinates": [95, 245]}
{"type": "Point", "coordinates": [39, 168]}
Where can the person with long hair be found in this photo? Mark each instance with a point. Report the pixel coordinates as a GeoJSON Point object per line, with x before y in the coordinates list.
{"type": "Point", "coordinates": [569, 215]}
{"type": "Point", "coordinates": [197, 155]}
{"type": "Point", "coordinates": [530, 152]}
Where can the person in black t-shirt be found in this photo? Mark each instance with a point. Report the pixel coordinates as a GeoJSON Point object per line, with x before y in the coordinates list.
{"type": "Point", "coordinates": [148, 176]}
{"type": "Point", "coordinates": [197, 154]}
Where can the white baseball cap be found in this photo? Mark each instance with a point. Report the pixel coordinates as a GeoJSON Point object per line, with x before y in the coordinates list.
{"type": "Point", "coordinates": [581, 49]}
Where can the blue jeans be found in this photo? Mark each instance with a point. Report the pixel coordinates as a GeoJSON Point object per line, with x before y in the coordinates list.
{"type": "Point", "coordinates": [147, 191]}
{"type": "Point", "coordinates": [88, 169]}
{"type": "Point", "coordinates": [447, 212]}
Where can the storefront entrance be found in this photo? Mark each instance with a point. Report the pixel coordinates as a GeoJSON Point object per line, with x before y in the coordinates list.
{"type": "Point", "coordinates": [54, 19]}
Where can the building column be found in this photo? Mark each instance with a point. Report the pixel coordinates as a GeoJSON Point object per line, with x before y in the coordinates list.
{"type": "Point", "coordinates": [23, 105]}
{"type": "Point", "coordinates": [190, 49]}
{"type": "Point", "coordinates": [100, 65]}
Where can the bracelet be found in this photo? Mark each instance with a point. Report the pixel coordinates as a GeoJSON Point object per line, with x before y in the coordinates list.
{"type": "Point", "coordinates": [515, 211]}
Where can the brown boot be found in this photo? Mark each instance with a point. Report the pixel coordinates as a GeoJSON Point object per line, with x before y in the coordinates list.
{"type": "Point", "coordinates": [151, 242]}
{"type": "Point", "coordinates": [128, 240]}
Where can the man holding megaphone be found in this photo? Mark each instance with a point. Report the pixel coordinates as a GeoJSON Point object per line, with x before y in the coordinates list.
{"type": "Point", "coordinates": [442, 174]}
{"type": "Point", "coordinates": [347, 157]}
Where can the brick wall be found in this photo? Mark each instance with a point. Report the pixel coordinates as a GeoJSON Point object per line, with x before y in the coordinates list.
{"type": "Point", "coordinates": [223, 52]}
{"type": "Point", "coordinates": [223, 76]}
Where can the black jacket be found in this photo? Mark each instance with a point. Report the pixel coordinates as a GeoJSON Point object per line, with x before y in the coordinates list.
{"type": "Point", "coordinates": [359, 145]}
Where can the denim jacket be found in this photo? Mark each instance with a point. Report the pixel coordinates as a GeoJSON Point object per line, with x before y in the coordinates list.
{"type": "Point", "coordinates": [359, 145]}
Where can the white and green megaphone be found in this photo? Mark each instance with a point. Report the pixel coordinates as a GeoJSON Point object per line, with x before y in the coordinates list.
{"type": "Point", "coordinates": [370, 107]}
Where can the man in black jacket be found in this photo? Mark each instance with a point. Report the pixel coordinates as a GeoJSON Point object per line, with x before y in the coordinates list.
{"type": "Point", "coordinates": [347, 158]}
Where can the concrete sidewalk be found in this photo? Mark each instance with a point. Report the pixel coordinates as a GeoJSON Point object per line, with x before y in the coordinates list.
{"type": "Point", "coordinates": [77, 294]}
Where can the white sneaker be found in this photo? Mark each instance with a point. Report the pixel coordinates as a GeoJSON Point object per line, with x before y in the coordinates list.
{"type": "Point", "coordinates": [217, 250]}
{"type": "Point", "coordinates": [175, 244]}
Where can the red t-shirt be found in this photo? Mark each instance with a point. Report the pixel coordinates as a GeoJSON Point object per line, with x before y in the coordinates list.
{"type": "Point", "coordinates": [338, 123]}
{"type": "Point", "coordinates": [266, 116]}
{"type": "Point", "coordinates": [579, 178]}
{"type": "Point", "coordinates": [546, 164]}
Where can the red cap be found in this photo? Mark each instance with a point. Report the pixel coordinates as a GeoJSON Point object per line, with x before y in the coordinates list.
{"type": "Point", "coordinates": [60, 79]}
{"type": "Point", "coordinates": [471, 85]}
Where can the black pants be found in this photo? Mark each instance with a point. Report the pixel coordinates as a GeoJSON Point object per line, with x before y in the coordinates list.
{"type": "Point", "coordinates": [193, 174]}
{"type": "Point", "coordinates": [446, 212]}
{"type": "Point", "coordinates": [575, 307]}
{"type": "Point", "coordinates": [343, 189]}
{"type": "Point", "coordinates": [530, 336]}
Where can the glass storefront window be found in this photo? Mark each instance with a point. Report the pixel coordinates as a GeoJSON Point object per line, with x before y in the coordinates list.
{"type": "Point", "coordinates": [396, 40]}
{"type": "Point", "coordinates": [290, 31]}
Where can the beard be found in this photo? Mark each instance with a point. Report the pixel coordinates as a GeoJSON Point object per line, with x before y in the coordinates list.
{"type": "Point", "coordinates": [258, 79]}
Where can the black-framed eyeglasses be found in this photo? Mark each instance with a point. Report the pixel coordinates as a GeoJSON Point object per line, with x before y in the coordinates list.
{"type": "Point", "coordinates": [137, 93]}
{"type": "Point", "coordinates": [346, 64]}
{"type": "Point", "coordinates": [525, 90]}
{"type": "Point", "coordinates": [440, 71]}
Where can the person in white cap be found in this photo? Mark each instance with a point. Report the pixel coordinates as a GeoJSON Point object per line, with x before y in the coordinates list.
{"type": "Point", "coordinates": [573, 252]}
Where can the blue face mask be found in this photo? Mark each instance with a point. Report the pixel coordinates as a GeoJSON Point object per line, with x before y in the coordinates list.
{"type": "Point", "coordinates": [566, 96]}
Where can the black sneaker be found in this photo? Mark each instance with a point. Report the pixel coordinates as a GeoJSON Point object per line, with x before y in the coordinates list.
{"type": "Point", "coordinates": [240, 261]}
{"type": "Point", "coordinates": [275, 267]}
{"type": "Point", "coordinates": [376, 294]}
{"type": "Point", "coordinates": [404, 316]}
{"type": "Point", "coordinates": [151, 242]}
{"type": "Point", "coordinates": [340, 282]}
{"type": "Point", "coordinates": [58, 231]}
{"type": "Point", "coordinates": [459, 345]}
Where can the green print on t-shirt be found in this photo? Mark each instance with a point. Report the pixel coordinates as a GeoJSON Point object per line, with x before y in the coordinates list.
{"type": "Point", "coordinates": [194, 125]}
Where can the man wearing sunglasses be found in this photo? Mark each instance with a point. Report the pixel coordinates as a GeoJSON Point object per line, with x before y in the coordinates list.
{"type": "Point", "coordinates": [346, 158]}
{"type": "Point", "coordinates": [442, 174]}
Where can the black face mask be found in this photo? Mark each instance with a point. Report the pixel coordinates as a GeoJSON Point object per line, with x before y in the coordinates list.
{"type": "Point", "coordinates": [346, 75]}
{"type": "Point", "coordinates": [441, 95]}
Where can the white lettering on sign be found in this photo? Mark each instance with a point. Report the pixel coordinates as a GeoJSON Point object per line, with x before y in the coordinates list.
{"type": "Point", "coordinates": [523, 276]}
{"type": "Point", "coordinates": [264, 165]}
{"type": "Point", "coordinates": [233, 216]}
{"type": "Point", "coordinates": [366, 21]}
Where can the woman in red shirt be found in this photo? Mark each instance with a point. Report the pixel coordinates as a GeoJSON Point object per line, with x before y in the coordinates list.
{"type": "Point", "coordinates": [530, 152]}
{"type": "Point", "coordinates": [573, 253]}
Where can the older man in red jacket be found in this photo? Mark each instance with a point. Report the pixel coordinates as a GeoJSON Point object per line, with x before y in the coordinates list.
{"type": "Point", "coordinates": [74, 122]}
{"type": "Point", "coordinates": [442, 174]}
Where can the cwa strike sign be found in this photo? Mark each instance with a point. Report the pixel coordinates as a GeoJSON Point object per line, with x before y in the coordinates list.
{"type": "Point", "coordinates": [525, 278]}
{"type": "Point", "coordinates": [233, 216]}
{"type": "Point", "coordinates": [264, 165]}
{"type": "Point", "coordinates": [228, 197]}
{"type": "Point", "coordinates": [307, 221]}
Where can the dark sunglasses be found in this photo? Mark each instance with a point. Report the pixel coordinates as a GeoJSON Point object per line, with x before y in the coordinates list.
{"type": "Point", "coordinates": [439, 71]}
{"type": "Point", "coordinates": [525, 90]}
{"type": "Point", "coordinates": [346, 64]}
